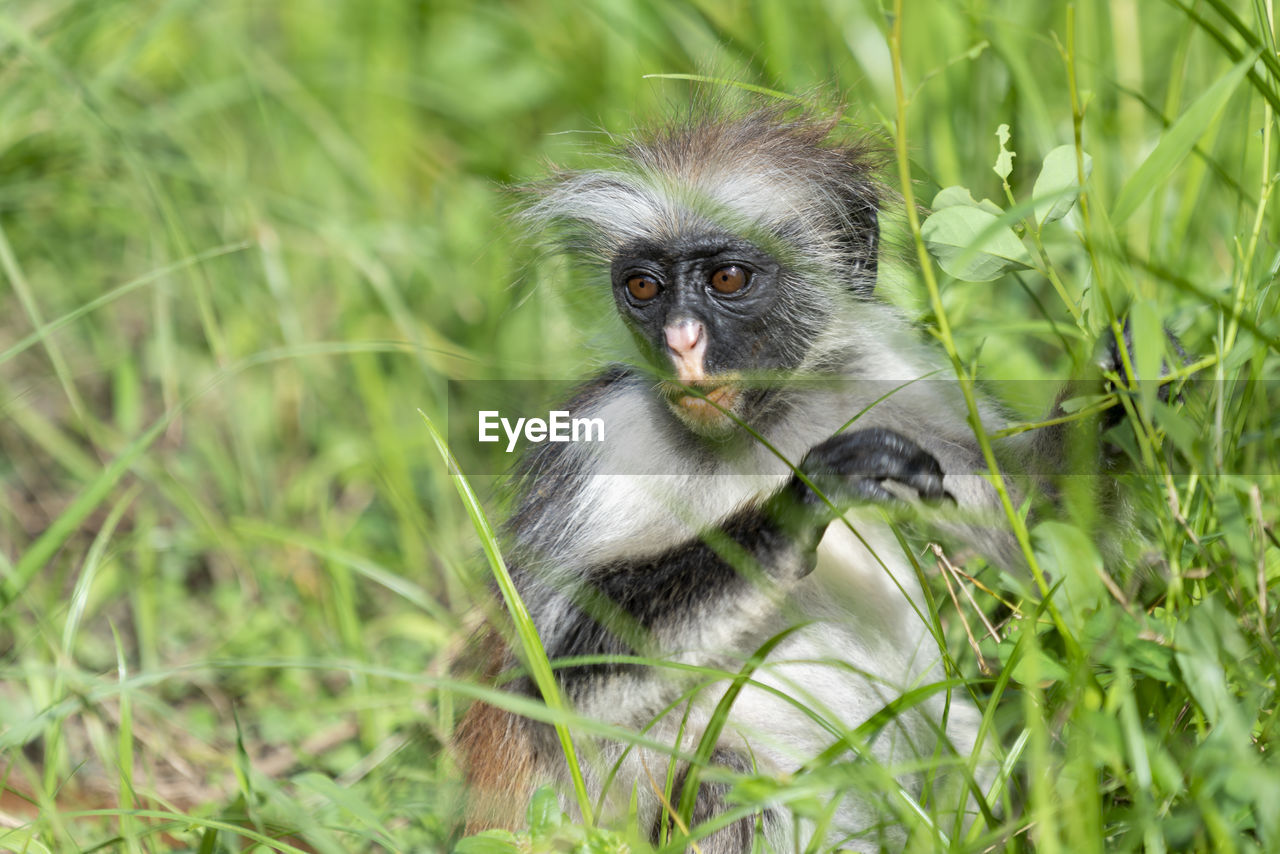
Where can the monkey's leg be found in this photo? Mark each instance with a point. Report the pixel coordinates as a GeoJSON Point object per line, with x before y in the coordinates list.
{"type": "Point", "coordinates": [497, 754]}
{"type": "Point", "coordinates": [711, 801]}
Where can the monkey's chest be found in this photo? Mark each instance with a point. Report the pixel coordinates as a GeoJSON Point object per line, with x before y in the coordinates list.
{"type": "Point", "coordinates": [865, 642]}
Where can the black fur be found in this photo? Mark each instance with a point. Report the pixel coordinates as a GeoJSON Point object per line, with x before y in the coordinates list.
{"type": "Point", "coordinates": [627, 603]}
{"type": "Point", "coordinates": [713, 799]}
{"type": "Point", "coordinates": [624, 604]}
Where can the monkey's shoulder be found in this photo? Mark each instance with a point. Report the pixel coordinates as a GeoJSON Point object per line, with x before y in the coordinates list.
{"type": "Point", "coordinates": [592, 392]}
{"type": "Point", "coordinates": [579, 410]}
{"type": "Point", "coordinates": [554, 488]}
{"type": "Point", "coordinates": [552, 469]}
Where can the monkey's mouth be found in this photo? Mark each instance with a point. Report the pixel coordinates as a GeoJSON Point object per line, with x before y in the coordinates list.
{"type": "Point", "coordinates": [704, 405]}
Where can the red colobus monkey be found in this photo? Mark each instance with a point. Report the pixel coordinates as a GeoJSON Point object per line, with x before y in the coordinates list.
{"type": "Point", "coordinates": [741, 252]}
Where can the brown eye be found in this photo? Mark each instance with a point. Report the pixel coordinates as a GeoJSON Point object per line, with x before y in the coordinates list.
{"type": "Point", "coordinates": [731, 279]}
{"type": "Point", "coordinates": [642, 287]}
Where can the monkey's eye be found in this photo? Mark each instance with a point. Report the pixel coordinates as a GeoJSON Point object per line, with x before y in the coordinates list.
{"type": "Point", "coordinates": [642, 288]}
{"type": "Point", "coordinates": [730, 279]}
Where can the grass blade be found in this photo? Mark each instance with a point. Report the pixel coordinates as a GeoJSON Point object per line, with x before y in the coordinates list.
{"type": "Point", "coordinates": [531, 645]}
{"type": "Point", "coordinates": [1178, 142]}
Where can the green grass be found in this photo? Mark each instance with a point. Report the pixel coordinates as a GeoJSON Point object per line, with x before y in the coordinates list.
{"type": "Point", "coordinates": [242, 245]}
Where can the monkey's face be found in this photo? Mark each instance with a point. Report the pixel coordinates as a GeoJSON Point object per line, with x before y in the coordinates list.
{"type": "Point", "coordinates": [710, 311]}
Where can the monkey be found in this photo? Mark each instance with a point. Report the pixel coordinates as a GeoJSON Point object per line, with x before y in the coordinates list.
{"type": "Point", "coordinates": [756, 452]}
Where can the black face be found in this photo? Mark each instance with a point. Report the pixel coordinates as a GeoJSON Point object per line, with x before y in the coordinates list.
{"type": "Point", "coordinates": [727, 284]}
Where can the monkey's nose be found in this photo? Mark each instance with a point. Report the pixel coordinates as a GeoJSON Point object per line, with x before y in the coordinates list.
{"type": "Point", "coordinates": [687, 341]}
{"type": "Point", "coordinates": [683, 336]}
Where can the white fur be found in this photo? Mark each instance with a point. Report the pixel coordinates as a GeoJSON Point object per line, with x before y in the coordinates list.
{"type": "Point", "coordinates": [869, 643]}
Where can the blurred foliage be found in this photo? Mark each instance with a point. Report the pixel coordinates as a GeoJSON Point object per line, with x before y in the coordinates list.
{"type": "Point", "coordinates": [242, 243]}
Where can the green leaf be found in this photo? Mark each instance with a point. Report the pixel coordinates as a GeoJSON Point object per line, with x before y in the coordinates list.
{"type": "Point", "coordinates": [1066, 552]}
{"type": "Point", "coordinates": [1033, 667]}
{"type": "Point", "coordinates": [1075, 404]}
{"type": "Point", "coordinates": [1004, 162]}
{"type": "Point", "coordinates": [972, 245]}
{"type": "Point", "coordinates": [1178, 141]}
{"type": "Point", "coordinates": [489, 842]}
{"type": "Point", "coordinates": [1184, 432]}
{"type": "Point", "coordinates": [544, 811]}
{"type": "Point", "coordinates": [950, 197]}
{"type": "Point", "coordinates": [1057, 187]}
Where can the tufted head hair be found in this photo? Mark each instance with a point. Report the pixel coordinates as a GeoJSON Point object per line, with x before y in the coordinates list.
{"type": "Point", "coordinates": [770, 175]}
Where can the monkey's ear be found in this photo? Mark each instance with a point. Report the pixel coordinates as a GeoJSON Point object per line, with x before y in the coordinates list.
{"type": "Point", "coordinates": [862, 239]}
{"type": "Point", "coordinates": [867, 262]}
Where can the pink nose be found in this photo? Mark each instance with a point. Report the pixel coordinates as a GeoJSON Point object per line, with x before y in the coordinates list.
{"type": "Point", "coordinates": [688, 346]}
{"type": "Point", "coordinates": [684, 336]}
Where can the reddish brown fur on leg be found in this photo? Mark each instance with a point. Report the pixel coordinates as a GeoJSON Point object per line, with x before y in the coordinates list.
{"type": "Point", "coordinates": [497, 759]}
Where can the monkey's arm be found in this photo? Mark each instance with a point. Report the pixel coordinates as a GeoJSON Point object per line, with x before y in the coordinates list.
{"type": "Point", "coordinates": [702, 598]}
{"type": "Point", "coordinates": [717, 593]}
{"type": "Point", "coordinates": [706, 594]}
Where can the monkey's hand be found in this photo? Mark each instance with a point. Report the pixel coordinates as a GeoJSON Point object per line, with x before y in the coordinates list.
{"type": "Point", "coordinates": [853, 468]}
{"type": "Point", "coordinates": [1114, 363]}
